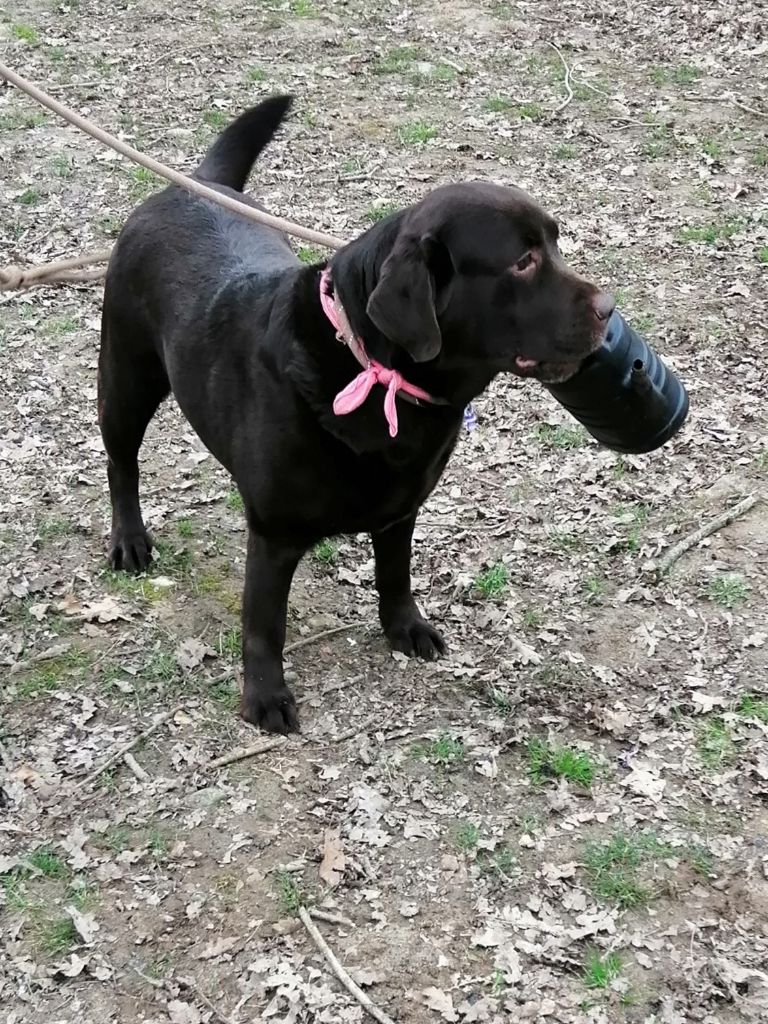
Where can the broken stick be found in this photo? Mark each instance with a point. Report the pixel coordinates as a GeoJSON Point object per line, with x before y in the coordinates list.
{"type": "Point", "coordinates": [705, 531]}
{"type": "Point", "coordinates": [353, 989]}
{"type": "Point", "coordinates": [122, 751]}
{"type": "Point", "coordinates": [262, 747]}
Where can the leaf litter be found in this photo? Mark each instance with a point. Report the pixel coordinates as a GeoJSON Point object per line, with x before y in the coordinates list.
{"type": "Point", "coordinates": [173, 877]}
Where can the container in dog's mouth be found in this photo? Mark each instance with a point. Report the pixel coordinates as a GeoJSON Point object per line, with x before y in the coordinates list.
{"type": "Point", "coordinates": [624, 394]}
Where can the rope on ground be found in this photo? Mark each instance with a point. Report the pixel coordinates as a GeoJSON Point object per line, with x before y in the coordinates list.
{"type": "Point", "coordinates": [69, 271]}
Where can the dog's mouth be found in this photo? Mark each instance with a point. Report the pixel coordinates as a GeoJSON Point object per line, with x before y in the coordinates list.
{"type": "Point", "coordinates": [555, 371]}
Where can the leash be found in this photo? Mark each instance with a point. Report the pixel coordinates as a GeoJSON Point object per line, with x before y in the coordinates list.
{"type": "Point", "coordinates": [70, 270]}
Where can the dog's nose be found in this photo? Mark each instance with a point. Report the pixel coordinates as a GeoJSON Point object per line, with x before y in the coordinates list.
{"type": "Point", "coordinates": [603, 305]}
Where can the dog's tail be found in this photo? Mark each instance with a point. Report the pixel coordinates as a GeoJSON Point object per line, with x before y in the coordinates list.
{"type": "Point", "coordinates": [231, 157]}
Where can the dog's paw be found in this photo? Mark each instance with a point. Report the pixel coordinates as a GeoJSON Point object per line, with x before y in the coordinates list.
{"type": "Point", "coordinates": [273, 712]}
{"type": "Point", "coordinates": [130, 550]}
{"type": "Point", "coordinates": [414, 636]}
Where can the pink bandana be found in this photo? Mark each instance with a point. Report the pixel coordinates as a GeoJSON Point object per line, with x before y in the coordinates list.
{"type": "Point", "coordinates": [356, 392]}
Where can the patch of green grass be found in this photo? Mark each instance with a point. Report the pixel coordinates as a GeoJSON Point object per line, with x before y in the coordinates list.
{"type": "Point", "coordinates": [467, 837]}
{"type": "Point", "coordinates": [548, 762]}
{"type": "Point", "coordinates": [47, 863]}
{"type": "Point", "coordinates": [289, 893]}
{"type": "Point", "coordinates": [498, 864]}
{"type": "Point", "coordinates": [310, 254]}
{"type": "Point", "coordinates": [216, 119]}
{"type": "Point", "coordinates": [686, 74]}
{"type": "Point", "coordinates": [230, 643]}
{"type": "Point", "coordinates": [326, 552]}
{"type": "Point", "coordinates": [53, 528]}
{"type": "Point", "coordinates": [25, 33]}
{"type": "Point", "coordinates": [562, 540]}
{"type": "Point", "coordinates": [61, 325]}
{"type": "Point", "coordinates": [58, 936]}
{"type": "Point", "coordinates": [498, 983]}
{"type": "Point", "coordinates": [715, 744]}
{"type": "Point", "coordinates": [61, 166]}
{"type": "Point", "coordinates": [143, 182]}
{"type": "Point", "coordinates": [446, 751]}
{"type": "Point", "coordinates": [171, 560]}
{"type": "Point", "coordinates": [498, 105]}
{"type": "Point", "coordinates": [753, 706]}
{"type": "Point", "coordinates": [560, 437]}
{"type": "Point", "coordinates": [565, 151]}
{"type": "Point", "coordinates": [599, 970]}
{"type": "Point", "coordinates": [184, 528]}
{"type": "Point", "coordinates": [223, 692]}
{"type": "Point", "coordinates": [52, 674]}
{"type": "Point", "coordinates": [255, 75]}
{"type": "Point", "coordinates": [532, 618]}
{"type": "Point", "coordinates": [303, 8]}
{"type": "Point", "coordinates": [109, 226]}
{"type": "Point", "coordinates": [712, 148]}
{"type": "Point", "coordinates": [702, 861]}
{"type": "Point", "coordinates": [117, 838]}
{"type": "Point", "coordinates": [82, 896]}
{"type": "Point", "coordinates": [500, 701]}
{"type": "Point", "coordinates": [235, 502]}
{"type": "Point", "coordinates": [13, 122]}
{"type": "Point", "coordinates": [612, 868]}
{"type": "Point", "coordinates": [728, 590]}
{"type": "Point", "coordinates": [29, 197]}
{"type": "Point", "coordinates": [158, 843]}
{"type": "Point", "coordinates": [57, 54]}
{"type": "Point", "coordinates": [644, 322]}
{"type": "Point", "coordinates": [531, 111]}
{"type": "Point", "coordinates": [760, 157]}
{"type": "Point", "coordinates": [398, 60]}
{"type": "Point", "coordinates": [17, 898]}
{"type": "Point", "coordinates": [594, 589]}
{"type": "Point", "coordinates": [160, 668]}
{"type": "Point", "coordinates": [416, 133]}
{"type": "Point", "coordinates": [710, 233]}
{"type": "Point", "coordinates": [376, 213]}
{"type": "Point", "coordinates": [493, 582]}
{"type": "Point", "coordinates": [762, 254]}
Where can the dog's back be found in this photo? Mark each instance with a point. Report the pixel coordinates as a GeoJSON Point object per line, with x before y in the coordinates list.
{"type": "Point", "coordinates": [176, 249]}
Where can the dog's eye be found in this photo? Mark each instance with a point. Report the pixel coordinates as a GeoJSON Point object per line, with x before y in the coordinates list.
{"type": "Point", "coordinates": [526, 266]}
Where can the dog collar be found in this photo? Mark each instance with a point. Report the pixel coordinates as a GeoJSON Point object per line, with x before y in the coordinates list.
{"type": "Point", "coordinates": [373, 372]}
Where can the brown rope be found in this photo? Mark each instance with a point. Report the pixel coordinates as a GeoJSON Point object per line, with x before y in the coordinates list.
{"type": "Point", "coordinates": [70, 270]}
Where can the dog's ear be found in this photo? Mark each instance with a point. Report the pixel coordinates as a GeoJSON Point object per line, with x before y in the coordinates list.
{"type": "Point", "coordinates": [402, 305]}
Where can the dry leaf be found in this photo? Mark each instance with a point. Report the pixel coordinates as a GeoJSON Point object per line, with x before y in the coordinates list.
{"type": "Point", "coordinates": [86, 925]}
{"type": "Point", "coordinates": [191, 652]}
{"type": "Point", "coordinates": [217, 948]}
{"type": "Point", "coordinates": [645, 783]}
{"type": "Point", "coordinates": [183, 1013]}
{"type": "Point", "coordinates": [441, 1002]}
{"type": "Point", "coordinates": [333, 862]}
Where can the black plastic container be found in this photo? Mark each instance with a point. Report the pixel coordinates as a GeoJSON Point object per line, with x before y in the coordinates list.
{"type": "Point", "coordinates": [624, 394]}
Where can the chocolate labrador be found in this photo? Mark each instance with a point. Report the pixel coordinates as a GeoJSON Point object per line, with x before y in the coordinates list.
{"type": "Point", "coordinates": [333, 393]}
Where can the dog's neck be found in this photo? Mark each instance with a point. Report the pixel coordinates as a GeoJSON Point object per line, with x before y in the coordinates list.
{"type": "Point", "coordinates": [355, 272]}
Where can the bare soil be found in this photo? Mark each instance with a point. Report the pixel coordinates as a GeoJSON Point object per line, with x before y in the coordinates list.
{"type": "Point", "coordinates": [478, 889]}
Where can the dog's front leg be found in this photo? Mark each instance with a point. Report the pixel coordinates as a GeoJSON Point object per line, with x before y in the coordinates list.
{"type": "Point", "coordinates": [404, 625]}
{"type": "Point", "coordinates": [266, 700]}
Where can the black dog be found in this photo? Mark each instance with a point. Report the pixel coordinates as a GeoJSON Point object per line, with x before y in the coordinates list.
{"type": "Point", "coordinates": [443, 295]}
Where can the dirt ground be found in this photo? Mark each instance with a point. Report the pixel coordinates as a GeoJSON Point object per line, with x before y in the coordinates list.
{"type": "Point", "coordinates": [563, 820]}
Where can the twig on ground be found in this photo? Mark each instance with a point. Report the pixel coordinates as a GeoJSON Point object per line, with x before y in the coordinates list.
{"type": "Point", "coordinates": [263, 746]}
{"type": "Point", "coordinates": [322, 915]}
{"type": "Point", "coordinates": [122, 751]}
{"type": "Point", "coordinates": [726, 99]}
{"type": "Point", "coordinates": [354, 990]}
{"type": "Point", "coordinates": [135, 767]}
{"type": "Point", "coordinates": [705, 531]}
{"type": "Point", "coordinates": [566, 80]}
{"type": "Point", "coordinates": [320, 636]}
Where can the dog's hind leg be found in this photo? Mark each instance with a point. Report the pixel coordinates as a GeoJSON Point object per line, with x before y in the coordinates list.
{"type": "Point", "coordinates": [132, 383]}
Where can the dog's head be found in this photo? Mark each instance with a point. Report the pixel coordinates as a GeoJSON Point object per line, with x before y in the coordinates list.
{"type": "Point", "coordinates": [473, 275]}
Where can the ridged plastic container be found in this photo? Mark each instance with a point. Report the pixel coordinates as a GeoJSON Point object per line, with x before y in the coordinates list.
{"type": "Point", "coordinates": [624, 394]}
